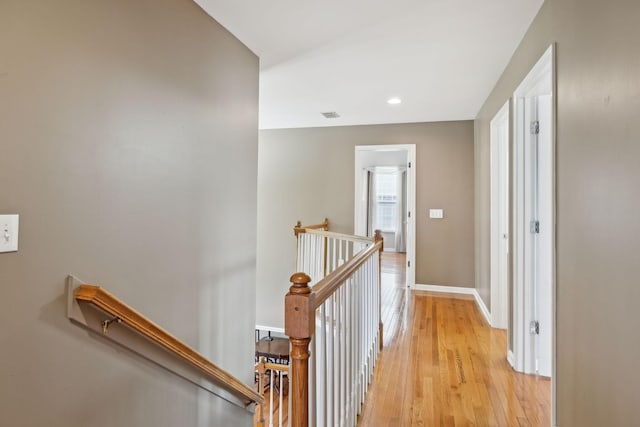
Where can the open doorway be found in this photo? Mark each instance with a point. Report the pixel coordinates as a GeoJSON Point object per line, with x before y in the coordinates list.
{"type": "Point", "coordinates": [386, 207]}
{"type": "Point", "coordinates": [385, 198]}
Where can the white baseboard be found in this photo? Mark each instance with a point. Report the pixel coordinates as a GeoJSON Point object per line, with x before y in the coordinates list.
{"type": "Point", "coordinates": [447, 289]}
{"type": "Point", "coordinates": [511, 359]}
{"type": "Point", "coordinates": [458, 290]}
{"type": "Point", "coordinates": [483, 307]}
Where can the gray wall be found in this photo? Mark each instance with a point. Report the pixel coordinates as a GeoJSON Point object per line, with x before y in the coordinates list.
{"type": "Point", "coordinates": [308, 174]}
{"type": "Point", "coordinates": [128, 145]}
{"type": "Point", "coordinates": [534, 44]}
{"type": "Point", "coordinates": [598, 101]}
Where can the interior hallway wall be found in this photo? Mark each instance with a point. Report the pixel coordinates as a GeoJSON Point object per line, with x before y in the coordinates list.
{"type": "Point", "coordinates": [598, 197]}
{"type": "Point", "coordinates": [121, 122]}
{"type": "Point", "coordinates": [308, 174]}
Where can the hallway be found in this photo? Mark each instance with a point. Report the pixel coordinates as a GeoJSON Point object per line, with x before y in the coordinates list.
{"type": "Point", "coordinates": [442, 365]}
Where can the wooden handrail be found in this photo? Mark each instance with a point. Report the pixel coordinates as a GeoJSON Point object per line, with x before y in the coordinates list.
{"type": "Point", "coordinates": [341, 236]}
{"type": "Point", "coordinates": [327, 286]}
{"type": "Point", "coordinates": [110, 304]}
{"type": "Point", "coordinates": [299, 228]}
{"type": "Point", "coordinates": [268, 366]}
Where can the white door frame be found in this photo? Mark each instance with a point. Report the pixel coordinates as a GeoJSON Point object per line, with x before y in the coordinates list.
{"type": "Point", "coordinates": [540, 80]}
{"type": "Point", "coordinates": [499, 161]}
{"type": "Point", "coordinates": [360, 215]}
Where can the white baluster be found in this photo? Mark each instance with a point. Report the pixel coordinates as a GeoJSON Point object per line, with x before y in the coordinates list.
{"type": "Point", "coordinates": [271, 398]}
{"type": "Point", "coordinates": [280, 401]}
{"type": "Point", "coordinates": [321, 370]}
{"type": "Point", "coordinates": [313, 379]}
{"type": "Point", "coordinates": [336, 355]}
{"type": "Point", "coordinates": [330, 364]}
{"type": "Point", "coordinates": [349, 355]}
{"type": "Point", "coordinates": [334, 265]}
{"type": "Point", "coordinates": [341, 354]}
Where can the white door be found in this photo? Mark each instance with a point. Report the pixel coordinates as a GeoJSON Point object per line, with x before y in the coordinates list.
{"type": "Point", "coordinates": [500, 217]}
{"type": "Point", "coordinates": [538, 241]}
{"type": "Point", "coordinates": [544, 267]}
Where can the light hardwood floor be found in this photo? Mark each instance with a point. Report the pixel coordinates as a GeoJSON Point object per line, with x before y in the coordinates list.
{"type": "Point", "coordinates": [444, 366]}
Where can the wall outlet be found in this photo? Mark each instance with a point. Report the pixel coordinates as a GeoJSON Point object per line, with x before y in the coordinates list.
{"type": "Point", "coordinates": [436, 213]}
{"type": "Point", "coordinates": [9, 233]}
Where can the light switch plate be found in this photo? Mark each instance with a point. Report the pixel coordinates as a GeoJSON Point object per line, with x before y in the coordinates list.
{"type": "Point", "coordinates": [9, 233]}
{"type": "Point", "coordinates": [436, 213]}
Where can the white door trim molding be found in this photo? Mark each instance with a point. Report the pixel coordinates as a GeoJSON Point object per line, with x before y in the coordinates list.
{"type": "Point", "coordinates": [499, 165]}
{"type": "Point", "coordinates": [540, 80]}
{"type": "Point", "coordinates": [523, 291]}
{"type": "Point", "coordinates": [361, 202]}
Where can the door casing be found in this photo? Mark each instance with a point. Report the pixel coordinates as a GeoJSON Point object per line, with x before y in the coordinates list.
{"type": "Point", "coordinates": [541, 80]}
{"type": "Point", "coordinates": [360, 208]}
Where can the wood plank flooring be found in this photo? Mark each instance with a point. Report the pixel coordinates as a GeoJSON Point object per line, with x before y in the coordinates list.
{"type": "Point", "coordinates": [444, 366]}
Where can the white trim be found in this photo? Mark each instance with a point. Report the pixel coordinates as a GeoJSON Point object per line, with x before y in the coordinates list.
{"type": "Point", "coordinates": [445, 289]}
{"type": "Point", "coordinates": [499, 165]}
{"type": "Point", "coordinates": [270, 329]}
{"type": "Point", "coordinates": [537, 82]}
{"type": "Point", "coordinates": [483, 308]}
{"type": "Point", "coordinates": [458, 290]}
{"type": "Point", "coordinates": [511, 358]}
{"type": "Point", "coordinates": [359, 224]}
{"type": "Point", "coordinates": [544, 69]}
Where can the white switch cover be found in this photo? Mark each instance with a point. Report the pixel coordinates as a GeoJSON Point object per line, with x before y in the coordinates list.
{"type": "Point", "coordinates": [436, 213]}
{"type": "Point", "coordinates": [9, 233]}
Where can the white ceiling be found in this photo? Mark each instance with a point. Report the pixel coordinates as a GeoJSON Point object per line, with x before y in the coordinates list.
{"type": "Point", "coordinates": [441, 57]}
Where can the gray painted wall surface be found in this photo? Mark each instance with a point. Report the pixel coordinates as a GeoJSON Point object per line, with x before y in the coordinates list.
{"type": "Point", "coordinates": [128, 145]}
{"type": "Point", "coordinates": [534, 44]}
{"type": "Point", "coordinates": [308, 174]}
{"type": "Point", "coordinates": [598, 197]}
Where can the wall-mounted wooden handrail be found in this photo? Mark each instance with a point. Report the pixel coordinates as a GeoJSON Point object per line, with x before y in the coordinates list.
{"type": "Point", "coordinates": [299, 228]}
{"type": "Point", "coordinates": [110, 304]}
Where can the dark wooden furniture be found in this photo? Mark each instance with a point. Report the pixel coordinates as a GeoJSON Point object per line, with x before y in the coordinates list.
{"type": "Point", "coordinates": [274, 349]}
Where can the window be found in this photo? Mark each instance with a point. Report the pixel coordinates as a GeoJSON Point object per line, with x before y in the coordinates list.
{"type": "Point", "coordinates": [386, 185]}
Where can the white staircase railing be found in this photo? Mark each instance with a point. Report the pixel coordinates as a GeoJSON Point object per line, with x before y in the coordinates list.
{"type": "Point", "coordinates": [273, 378]}
{"type": "Point", "coordinates": [320, 252]}
{"type": "Point", "coordinates": [334, 327]}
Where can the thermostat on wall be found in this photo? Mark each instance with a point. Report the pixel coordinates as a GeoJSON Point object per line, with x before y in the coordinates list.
{"type": "Point", "coordinates": [436, 213]}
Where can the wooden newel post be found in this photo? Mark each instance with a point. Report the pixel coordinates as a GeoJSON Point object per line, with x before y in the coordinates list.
{"type": "Point", "coordinates": [261, 373]}
{"type": "Point", "coordinates": [299, 326]}
{"type": "Point", "coordinates": [378, 238]}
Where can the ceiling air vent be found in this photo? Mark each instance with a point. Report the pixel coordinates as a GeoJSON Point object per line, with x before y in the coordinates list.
{"type": "Point", "coordinates": [330, 115]}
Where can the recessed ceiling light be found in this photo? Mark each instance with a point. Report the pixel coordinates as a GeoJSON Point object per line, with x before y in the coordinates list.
{"type": "Point", "coordinates": [394, 101]}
